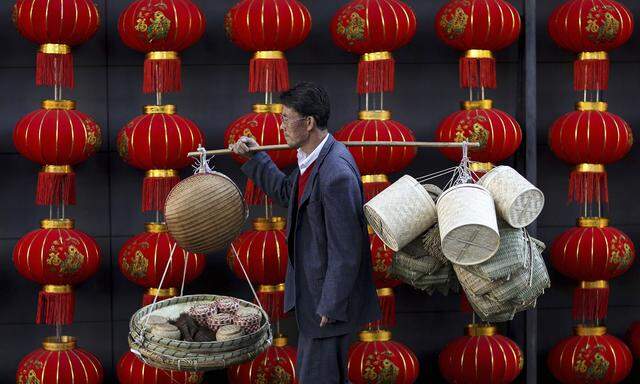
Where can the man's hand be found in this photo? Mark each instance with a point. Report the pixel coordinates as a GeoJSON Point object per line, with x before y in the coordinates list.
{"type": "Point", "coordinates": [242, 146]}
{"type": "Point", "coordinates": [325, 320]}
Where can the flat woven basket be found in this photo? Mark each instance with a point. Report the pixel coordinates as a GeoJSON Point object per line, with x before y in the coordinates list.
{"type": "Point", "coordinates": [204, 212]}
{"type": "Point", "coordinates": [486, 308]}
{"type": "Point", "coordinates": [168, 353]}
{"type": "Point", "coordinates": [431, 244]}
{"type": "Point", "coordinates": [473, 283]}
{"type": "Point", "coordinates": [526, 285]}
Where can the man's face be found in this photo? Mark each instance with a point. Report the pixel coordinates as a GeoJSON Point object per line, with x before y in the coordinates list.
{"type": "Point", "coordinates": [296, 127]}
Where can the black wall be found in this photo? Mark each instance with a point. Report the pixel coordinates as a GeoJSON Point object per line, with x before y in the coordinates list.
{"type": "Point", "coordinates": [215, 73]}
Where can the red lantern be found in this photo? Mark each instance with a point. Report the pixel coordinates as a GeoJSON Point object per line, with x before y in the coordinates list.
{"type": "Point", "coordinates": [161, 28]}
{"type": "Point", "coordinates": [263, 125]}
{"type": "Point", "coordinates": [481, 357]}
{"type": "Point", "coordinates": [60, 361]}
{"type": "Point", "coordinates": [381, 259]}
{"type": "Point", "coordinates": [591, 356]}
{"type": "Point", "coordinates": [56, 26]}
{"type": "Point", "coordinates": [590, 29]}
{"type": "Point", "coordinates": [275, 365]}
{"type": "Point", "coordinates": [56, 256]}
{"type": "Point", "coordinates": [132, 370]}
{"type": "Point", "coordinates": [159, 142]}
{"type": "Point", "coordinates": [143, 260]}
{"type": "Point", "coordinates": [478, 27]}
{"type": "Point", "coordinates": [497, 132]}
{"type": "Point", "coordinates": [372, 30]}
{"type": "Point", "coordinates": [375, 162]}
{"type": "Point", "coordinates": [268, 28]}
{"type": "Point", "coordinates": [378, 359]}
{"type": "Point", "coordinates": [57, 137]}
{"type": "Point", "coordinates": [591, 253]}
{"type": "Point", "coordinates": [633, 338]}
{"type": "Point", "coordinates": [589, 138]}
{"type": "Point", "coordinates": [264, 255]}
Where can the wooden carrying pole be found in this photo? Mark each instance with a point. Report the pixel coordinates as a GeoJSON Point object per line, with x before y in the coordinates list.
{"type": "Point", "coordinates": [419, 144]}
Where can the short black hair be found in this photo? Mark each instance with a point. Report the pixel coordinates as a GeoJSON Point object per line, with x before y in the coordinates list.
{"type": "Point", "coordinates": [308, 99]}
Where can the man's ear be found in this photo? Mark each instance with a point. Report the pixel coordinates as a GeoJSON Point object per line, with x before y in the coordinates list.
{"type": "Point", "coordinates": [311, 123]}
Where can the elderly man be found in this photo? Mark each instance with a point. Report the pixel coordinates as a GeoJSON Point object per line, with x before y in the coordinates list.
{"type": "Point", "coordinates": [329, 277]}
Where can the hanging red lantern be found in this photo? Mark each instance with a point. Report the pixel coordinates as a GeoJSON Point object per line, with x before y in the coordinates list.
{"type": "Point", "coordinates": [590, 356]}
{"type": "Point", "coordinates": [482, 356]}
{"type": "Point", "coordinates": [56, 26]}
{"type": "Point", "coordinates": [378, 359]}
{"type": "Point", "coordinates": [264, 255]}
{"type": "Point", "coordinates": [373, 30]}
{"type": "Point", "coordinates": [498, 133]}
{"type": "Point", "coordinates": [590, 138]}
{"type": "Point", "coordinates": [262, 125]}
{"type": "Point", "coordinates": [56, 256]}
{"type": "Point", "coordinates": [268, 28]}
{"type": "Point", "coordinates": [57, 136]}
{"type": "Point", "coordinates": [478, 27]}
{"type": "Point", "coordinates": [591, 29]}
{"type": "Point", "coordinates": [60, 361]}
{"type": "Point", "coordinates": [144, 258]}
{"type": "Point", "coordinates": [376, 162]}
{"type": "Point", "coordinates": [161, 29]}
{"type": "Point", "coordinates": [275, 365]}
{"type": "Point", "coordinates": [159, 142]}
{"type": "Point", "coordinates": [633, 338]}
{"type": "Point", "coordinates": [132, 370]}
{"type": "Point", "coordinates": [381, 259]}
{"type": "Point", "coordinates": [592, 253]}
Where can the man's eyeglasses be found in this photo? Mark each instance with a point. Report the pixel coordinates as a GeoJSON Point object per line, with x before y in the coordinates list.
{"type": "Point", "coordinates": [286, 120]}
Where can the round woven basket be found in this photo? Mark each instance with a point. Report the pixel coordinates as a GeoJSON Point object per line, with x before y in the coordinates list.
{"type": "Point", "coordinates": [204, 212]}
{"type": "Point", "coordinates": [517, 201]}
{"type": "Point", "coordinates": [468, 225]}
{"type": "Point", "coordinates": [169, 353]}
{"type": "Point", "coordinates": [401, 212]}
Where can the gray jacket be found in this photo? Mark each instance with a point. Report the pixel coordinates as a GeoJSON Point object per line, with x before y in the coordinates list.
{"type": "Point", "coordinates": [329, 271]}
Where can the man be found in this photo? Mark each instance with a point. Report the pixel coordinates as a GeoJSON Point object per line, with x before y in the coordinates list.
{"type": "Point", "coordinates": [329, 277]}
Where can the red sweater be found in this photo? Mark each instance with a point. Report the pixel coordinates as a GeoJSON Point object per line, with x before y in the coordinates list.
{"type": "Point", "coordinates": [302, 180]}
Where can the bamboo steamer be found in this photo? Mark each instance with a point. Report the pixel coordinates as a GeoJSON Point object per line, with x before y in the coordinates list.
{"type": "Point", "coordinates": [401, 212]}
{"type": "Point", "coordinates": [517, 201]}
{"type": "Point", "coordinates": [468, 224]}
{"type": "Point", "coordinates": [205, 212]}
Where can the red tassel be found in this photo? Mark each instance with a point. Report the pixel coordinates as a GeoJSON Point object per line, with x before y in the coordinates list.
{"type": "Point", "coordinates": [272, 300]}
{"type": "Point", "coordinates": [155, 191]}
{"type": "Point", "coordinates": [56, 304]}
{"type": "Point", "coordinates": [587, 186]}
{"type": "Point", "coordinates": [387, 301]}
{"type": "Point", "coordinates": [162, 294]}
{"type": "Point", "coordinates": [162, 75]}
{"type": "Point", "coordinates": [54, 69]}
{"type": "Point", "coordinates": [590, 74]}
{"type": "Point", "coordinates": [465, 306]}
{"type": "Point", "coordinates": [268, 75]}
{"type": "Point", "coordinates": [56, 187]}
{"type": "Point", "coordinates": [376, 75]}
{"type": "Point", "coordinates": [590, 301]}
{"type": "Point", "coordinates": [372, 189]}
{"type": "Point", "coordinates": [253, 195]}
{"type": "Point", "coordinates": [477, 72]}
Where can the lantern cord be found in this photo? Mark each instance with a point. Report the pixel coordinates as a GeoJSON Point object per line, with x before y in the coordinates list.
{"type": "Point", "coordinates": [58, 332]}
{"type": "Point", "coordinates": [482, 93]}
{"type": "Point", "coordinates": [158, 98]}
{"type": "Point", "coordinates": [470, 94]}
{"type": "Point", "coordinates": [50, 211]}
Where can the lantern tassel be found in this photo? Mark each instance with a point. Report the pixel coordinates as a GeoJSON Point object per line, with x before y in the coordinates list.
{"type": "Point", "coordinates": [56, 185]}
{"type": "Point", "coordinates": [477, 72]}
{"type": "Point", "coordinates": [155, 190]}
{"type": "Point", "coordinates": [387, 302]}
{"type": "Point", "coordinates": [56, 305]}
{"type": "Point", "coordinates": [162, 72]}
{"type": "Point", "coordinates": [268, 72]}
{"type": "Point", "coordinates": [376, 73]}
{"type": "Point", "coordinates": [590, 74]}
{"type": "Point", "coordinates": [253, 195]}
{"type": "Point", "coordinates": [590, 301]}
{"type": "Point", "coordinates": [272, 300]}
{"type": "Point", "coordinates": [54, 70]}
{"type": "Point", "coordinates": [585, 186]}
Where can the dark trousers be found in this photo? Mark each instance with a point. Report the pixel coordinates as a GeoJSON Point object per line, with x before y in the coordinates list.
{"type": "Point", "coordinates": [323, 361]}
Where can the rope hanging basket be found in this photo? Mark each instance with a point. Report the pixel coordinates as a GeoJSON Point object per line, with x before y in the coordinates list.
{"type": "Point", "coordinates": [517, 201]}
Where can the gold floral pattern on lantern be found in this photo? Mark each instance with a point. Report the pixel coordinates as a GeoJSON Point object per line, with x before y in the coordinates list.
{"type": "Point", "coordinates": [239, 131]}
{"type": "Point", "coordinates": [601, 24]}
{"type": "Point", "coordinates": [153, 23]}
{"type": "Point", "coordinates": [381, 262]}
{"type": "Point", "coordinates": [621, 253]}
{"type": "Point", "coordinates": [279, 375]}
{"type": "Point", "coordinates": [138, 265]}
{"type": "Point", "coordinates": [590, 363]}
{"type": "Point", "coordinates": [354, 28]}
{"type": "Point", "coordinates": [454, 23]}
{"type": "Point", "coordinates": [94, 135]}
{"type": "Point", "coordinates": [472, 129]}
{"type": "Point", "coordinates": [64, 256]}
{"type": "Point", "coordinates": [379, 369]}
{"type": "Point", "coordinates": [29, 376]}
{"type": "Point", "coordinates": [123, 145]}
